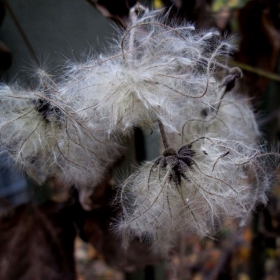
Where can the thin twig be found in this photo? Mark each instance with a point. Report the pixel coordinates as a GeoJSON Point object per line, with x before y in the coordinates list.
{"type": "Point", "coordinates": [112, 17]}
{"type": "Point", "coordinates": [92, 3]}
{"type": "Point", "coordinates": [22, 33]}
{"type": "Point", "coordinates": [255, 70]}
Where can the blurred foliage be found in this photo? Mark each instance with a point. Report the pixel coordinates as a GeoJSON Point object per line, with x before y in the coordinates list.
{"type": "Point", "coordinates": [228, 4]}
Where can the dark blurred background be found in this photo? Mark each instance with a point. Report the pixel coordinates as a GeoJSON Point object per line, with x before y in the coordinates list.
{"type": "Point", "coordinates": [44, 231]}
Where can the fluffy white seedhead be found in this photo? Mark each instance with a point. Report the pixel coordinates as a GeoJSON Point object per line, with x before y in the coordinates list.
{"type": "Point", "coordinates": [230, 117]}
{"type": "Point", "coordinates": [45, 137]}
{"type": "Point", "coordinates": [195, 191]}
{"type": "Point", "coordinates": [219, 113]}
{"type": "Point", "coordinates": [152, 66]}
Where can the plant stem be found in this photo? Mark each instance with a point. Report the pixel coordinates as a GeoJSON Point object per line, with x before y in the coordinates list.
{"type": "Point", "coordinates": [22, 33]}
{"type": "Point", "coordinates": [163, 135]}
{"type": "Point", "coordinates": [258, 71]}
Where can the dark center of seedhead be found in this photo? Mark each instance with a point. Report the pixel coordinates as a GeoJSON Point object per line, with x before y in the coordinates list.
{"type": "Point", "coordinates": [178, 163]}
{"type": "Point", "coordinates": [47, 110]}
{"type": "Point", "coordinates": [169, 152]}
